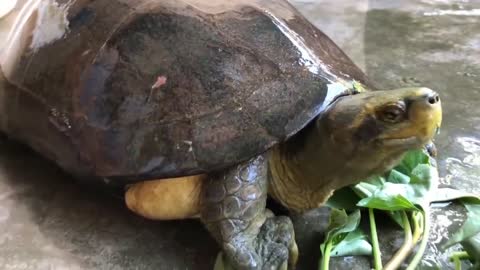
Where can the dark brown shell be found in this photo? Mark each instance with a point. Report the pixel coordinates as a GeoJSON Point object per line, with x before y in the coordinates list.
{"type": "Point", "coordinates": [148, 89]}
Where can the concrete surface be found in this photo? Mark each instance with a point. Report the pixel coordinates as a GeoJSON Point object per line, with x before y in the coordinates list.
{"type": "Point", "coordinates": [47, 221]}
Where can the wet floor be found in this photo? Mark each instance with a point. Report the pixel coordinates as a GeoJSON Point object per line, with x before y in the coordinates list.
{"type": "Point", "coordinates": [49, 222]}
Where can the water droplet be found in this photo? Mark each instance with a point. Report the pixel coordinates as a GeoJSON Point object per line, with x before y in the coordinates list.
{"type": "Point", "coordinates": [59, 120]}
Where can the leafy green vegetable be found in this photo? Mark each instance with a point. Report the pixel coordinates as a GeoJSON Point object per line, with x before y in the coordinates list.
{"type": "Point", "coordinates": [365, 189]}
{"type": "Point", "coordinates": [394, 196]}
{"type": "Point", "coordinates": [397, 217]}
{"type": "Point", "coordinates": [388, 198]}
{"type": "Point", "coordinates": [406, 193]}
{"type": "Point", "coordinates": [450, 194]}
{"type": "Point", "coordinates": [406, 186]}
{"type": "Point", "coordinates": [354, 244]}
{"type": "Point", "coordinates": [469, 234]}
{"type": "Point", "coordinates": [398, 177]}
{"type": "Point", "coordinates": [339, 227]}
{"type": "Point", "coordinates": [344, 198]}
{"type": "Point", "coordinates": [472, 246]}
{"type": "Point", "coordinates": [377, 180]}
{"type": "Point", "coordinates": [471, 227]}
{"type": "Point", "coordinates": [412, 160]}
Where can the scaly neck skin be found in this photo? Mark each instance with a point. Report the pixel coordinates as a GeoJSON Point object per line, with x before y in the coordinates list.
{"type": "Point", "coordinates": [306, 177]}
{"type": "Point", "coordinates": [299, 180]}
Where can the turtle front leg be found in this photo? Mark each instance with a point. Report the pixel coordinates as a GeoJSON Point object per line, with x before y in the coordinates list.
{"type": "Point", "coordinates": [233, 210]}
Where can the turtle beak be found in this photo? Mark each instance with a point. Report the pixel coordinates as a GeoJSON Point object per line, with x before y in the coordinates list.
{"type": "Point", "coordinates": [426, 113]}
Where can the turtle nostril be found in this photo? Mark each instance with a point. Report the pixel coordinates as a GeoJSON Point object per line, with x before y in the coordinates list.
{"type": "Point", "coordinates": [433, 98]}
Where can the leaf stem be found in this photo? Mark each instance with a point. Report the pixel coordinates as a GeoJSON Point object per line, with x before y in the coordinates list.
{"type": "Point", "coordinates": [377, 255]}
{"type": "Point", "coordinates": [326, 256]}
{"type": "Point", "coordinates": [461, 255]}
{"type": "Point", "coordinates": [458, 263]}
{"type": "Point", "coordinates": [406, 247]}
{"type": "Point", "coordinates": [423, 244]}
{"type": "Point", "coordinates": [417, 226]}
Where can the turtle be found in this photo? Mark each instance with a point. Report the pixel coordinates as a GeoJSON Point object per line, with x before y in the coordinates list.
{"type": "Point", "coordinates": [203, 109]}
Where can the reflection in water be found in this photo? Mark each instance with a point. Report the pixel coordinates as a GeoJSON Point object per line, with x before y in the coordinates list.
{"type": "Point", "coordinates": [472, 146]}
{"type": "Point", "coordinates": [473, 12]}
{"type": "Point", "coordinates": [445, 220]}
{"type": "Point", "coordinates": [464, 172]}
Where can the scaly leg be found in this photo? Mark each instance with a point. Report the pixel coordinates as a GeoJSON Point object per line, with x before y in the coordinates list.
{"type": "Point", "coordinates": [233, 209]}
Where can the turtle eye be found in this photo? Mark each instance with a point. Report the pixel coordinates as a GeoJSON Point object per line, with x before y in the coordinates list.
{"type": "Point", "coordinates": [392, 113]}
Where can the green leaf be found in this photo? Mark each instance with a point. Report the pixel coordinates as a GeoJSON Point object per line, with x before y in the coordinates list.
{"type": "Point", "coordinates": [344, 198]}
{"type": "Point", "coordinates": [364, 189]}
{"type": "Point", "coordinates": [411, 160]}
{"type": "Point", "coordinates": [340, 225]}
{"type": "Point", "coordinates": [450, 194]}
{"type": "Point", "coordinates": [471, 226]}
{"type": "Point", "coordinates": [376, 181]}
{"type": "Point", "coordinates": [397, 217]}
{"type": "Point", "coordinates": [391, 197]}
{"type": "Point", "coordinates": [472, 247]}
{"type": "Point", "coordinates": [338, 218]}
{"type": "Point", "coordinates": [354, 244]}
{"type": "Point", "coordinates": [422, 181]}
{"type": "Point", "coordinates": [398, 177]}
{"type": "Point", "coordinates": [368, 187]}
{"type": "Point", "coordinates": [340, 222]}
{"type": "Point", "coordinates": [468, 234]}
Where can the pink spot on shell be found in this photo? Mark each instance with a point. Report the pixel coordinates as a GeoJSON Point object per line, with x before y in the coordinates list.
{"type": "Point", "coordinates": [161, 80]}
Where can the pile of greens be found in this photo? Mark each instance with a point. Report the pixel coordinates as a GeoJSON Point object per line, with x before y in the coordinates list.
{"type": "Point", "coordinates": [405, 194]}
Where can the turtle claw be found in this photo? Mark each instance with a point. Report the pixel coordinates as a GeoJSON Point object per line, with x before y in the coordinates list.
{"type": "Point", "coordinates": [431, 149]}
{"type": "Point", "coordinates": [276, 243]}
{"type": "Point", "coordinates": [241, 257]}
{"type": "Point", "coordinates": [274, 248]}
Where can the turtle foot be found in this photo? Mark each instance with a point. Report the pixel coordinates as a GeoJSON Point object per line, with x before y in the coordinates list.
{"type": "Point", "coordinates": [233, 210]}
{"type": "Point", "coordinates": [274, 247]}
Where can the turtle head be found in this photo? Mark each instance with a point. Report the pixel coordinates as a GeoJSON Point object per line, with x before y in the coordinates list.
{"type": "Point", "coordinates": [357, 136]}
{"type": "Point", "coordinates": [376, 126]}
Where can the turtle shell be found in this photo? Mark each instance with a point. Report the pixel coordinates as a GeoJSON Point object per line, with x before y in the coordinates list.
{"type": "Point", "coordinates": [133, 90]}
